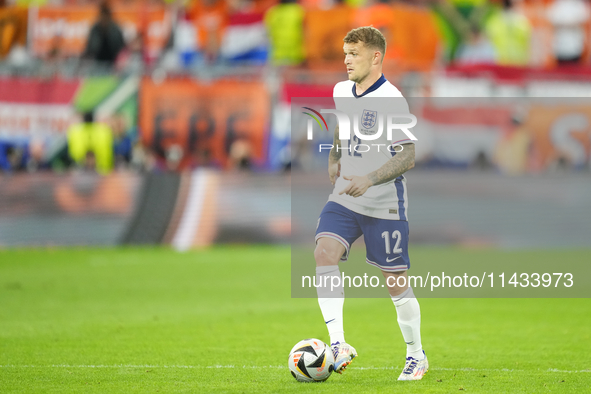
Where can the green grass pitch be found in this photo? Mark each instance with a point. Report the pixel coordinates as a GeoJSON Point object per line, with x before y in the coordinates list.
{"type": "Point", "coordinates": [146, 320]}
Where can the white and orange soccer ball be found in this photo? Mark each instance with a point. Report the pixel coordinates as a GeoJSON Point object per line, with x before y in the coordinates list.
{"type": "Point", "coordinates": [311, 360]}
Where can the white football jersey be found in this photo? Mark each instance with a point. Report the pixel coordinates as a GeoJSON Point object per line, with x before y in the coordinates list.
{"type": "Point", "coordinates": [360, 157]}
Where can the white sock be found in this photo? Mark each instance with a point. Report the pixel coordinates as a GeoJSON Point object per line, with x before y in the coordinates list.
{"type": "Point", "coordinates": [331, 301]}
{"type": "Point", "coordinates": [409, 320]}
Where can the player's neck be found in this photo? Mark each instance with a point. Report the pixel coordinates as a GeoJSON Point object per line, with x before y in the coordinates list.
{"type": "Point", "coordinates": [367, 82]}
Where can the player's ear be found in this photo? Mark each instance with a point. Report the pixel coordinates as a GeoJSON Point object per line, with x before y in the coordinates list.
{"type": "Point", "coordinates": [377, 57]}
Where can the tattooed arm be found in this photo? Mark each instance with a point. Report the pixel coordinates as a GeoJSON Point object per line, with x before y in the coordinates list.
{"type": "Point", "coordinates": [334, 158]}
{"type": "Point", "coordinates": [396, 166]}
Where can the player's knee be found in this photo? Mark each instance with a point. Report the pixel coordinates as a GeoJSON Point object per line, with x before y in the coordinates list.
{"type": "Point", "coordinates": [324, 256]}
{"type": "Point", "coordinates": [397, 282]}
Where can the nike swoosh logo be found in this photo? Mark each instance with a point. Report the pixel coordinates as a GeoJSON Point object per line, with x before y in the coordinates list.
{"type": "Point", "coordinates": [329, 321]}
{"type": "Point", "coordinates": [389, 261]}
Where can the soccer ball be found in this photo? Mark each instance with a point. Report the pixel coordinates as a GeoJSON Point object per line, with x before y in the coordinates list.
{"type": "Point", "coordinates": [311, 360]}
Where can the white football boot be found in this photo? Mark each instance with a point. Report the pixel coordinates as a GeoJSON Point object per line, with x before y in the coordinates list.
{"type": "Point", "coordinates": [343, 355]}
{"type": "Point", "coordinates": [414, 369]}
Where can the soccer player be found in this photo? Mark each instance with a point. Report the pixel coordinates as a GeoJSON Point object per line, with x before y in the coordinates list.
{"type": "Point", "coordinates": [370, 198]}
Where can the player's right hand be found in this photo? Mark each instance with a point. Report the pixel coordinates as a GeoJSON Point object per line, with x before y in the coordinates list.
{"type": "Point", "coordinates": [334, 171]}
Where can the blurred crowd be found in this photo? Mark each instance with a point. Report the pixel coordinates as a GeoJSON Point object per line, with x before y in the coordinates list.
{"type": "Point", "coordinates": [421, 34]}
{"type": "Point", "coordinates": [104, 145]}
{"type": "Point", "coordinates": [160, 38]}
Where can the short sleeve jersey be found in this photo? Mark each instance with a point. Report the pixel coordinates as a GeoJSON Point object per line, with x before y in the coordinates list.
{"type": "Point", "coordinates": [361, 157]}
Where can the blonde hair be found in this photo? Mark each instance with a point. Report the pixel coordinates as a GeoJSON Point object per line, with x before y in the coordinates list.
{"type": "Point", "coordinates": [370, 36]}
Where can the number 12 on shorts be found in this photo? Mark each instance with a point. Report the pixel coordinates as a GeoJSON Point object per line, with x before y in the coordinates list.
{"type": "Point", "coordinates": [396, 236]}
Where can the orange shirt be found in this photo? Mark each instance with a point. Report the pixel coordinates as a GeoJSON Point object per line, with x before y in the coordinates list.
{"type": "Point", "coordinates": [415, 39]}
{"type": "Point", "coordinates": [325, 30]}
{"type": "Point", "coordinates": [210, 18]}
{"type": "Point", "coordinates": [381, 16]}
{"type": "Point", "coordinates": [411, 34]}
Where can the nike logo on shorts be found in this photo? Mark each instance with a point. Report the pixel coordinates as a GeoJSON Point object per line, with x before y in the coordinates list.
{"type": "Point", "coordinates": [390, 260]}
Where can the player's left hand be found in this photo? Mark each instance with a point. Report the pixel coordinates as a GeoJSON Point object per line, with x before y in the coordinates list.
{"type": "Point", "coordinates": [357, 187]}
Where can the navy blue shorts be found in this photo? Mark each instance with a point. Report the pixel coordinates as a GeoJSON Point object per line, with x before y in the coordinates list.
{"type": "Point", "coordinates": [386, 241]}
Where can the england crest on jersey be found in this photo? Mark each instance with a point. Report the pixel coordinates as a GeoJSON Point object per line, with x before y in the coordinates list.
{"type": "Point", "coordinates": [368, 119]}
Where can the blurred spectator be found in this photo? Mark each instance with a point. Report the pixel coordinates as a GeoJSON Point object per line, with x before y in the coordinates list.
{"type": "Point", "coordinates": [510, 33]}
{"type": "Point", "coordinates": [458, 19]}
{"type": "Point", "coordinates": [379, 14]}
{"type": "Point", "coordinates": [415, 43]}
{"type": "Point", "coordinates": [240, 155]}
{"type": "Point", "coordinates": [285, 26]}
{"type": "Point", "coordinates": [133, 57]}
{"type": "Point", "coordinates": [122, 141]}
{"type": "Point", "coordinates": [18, 56]}
{"type": "Point", "coordinates": [13, 156]}
{"type": "Point", "coordinates": [36, 159]}
{"type": "Point", "coordinates": [174, 157]}
{"type": "Point", "coordinates": [181, 50]}
{"type": "Point", "coordinates": [210, 18]}
{"type": "Point", "coordinates": [105, 40]}
{"type": "Point", "coordinates": [325, 29]}
{"type": "Point", "coordinates": [540, 54]}
{"type": "Point", "coordinates": [90, 144]}
{"type": "Point", "coordinates": [568, 18]}
{"type": "Point", "coordinates": [477, 50]}
{"type": "Point", "coordinates": [13, 34]}
{"type": "Point", "coordinates": [141, 159]}
{"type": "Point", "coordinates": [514, 149]}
